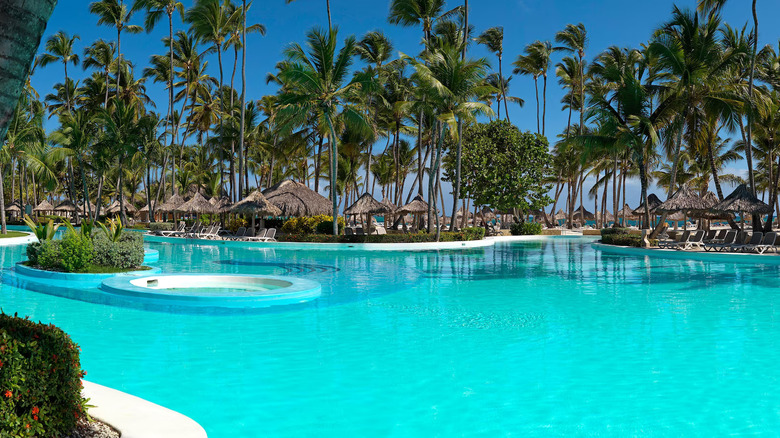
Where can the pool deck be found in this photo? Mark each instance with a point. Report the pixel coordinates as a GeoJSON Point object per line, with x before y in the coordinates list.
{"type": "Point", "coordinates": [135, 417]}
{"type": "Point", "coordinates": [723, 257]}
{"type": "Point", "coordinates": [24, 240]}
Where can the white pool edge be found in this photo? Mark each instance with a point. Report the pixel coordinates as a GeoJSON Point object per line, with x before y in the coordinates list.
{"type": "Point", "coordinates": [24, 240]}
{"type": "Point", "coordinates": [135, 417]}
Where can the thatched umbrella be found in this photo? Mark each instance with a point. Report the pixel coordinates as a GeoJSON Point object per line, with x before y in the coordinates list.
{"type": "Point", "coordinates": [115, 207]}
{"type": "Point", "coordinates": [255, 204]}
{"type": "Point", "coordinates": [683, 200]}
{"type": "Point", "coordinates": [66, 208]}
{"type": "Point", "coordinates": [15, 208]}
{"type": "Point", "coordinates": [606, 216]}
{"type": "Point", "coordinates": [652, 201]}
{"type": "Point", "coordinates": [626, 212]}
{"type": "Point", "coordinates": [43, 207]}
{"type": "Point", "coordinates": [560, 215]}
{"type": "Point", "coordinates": [743, 202]}
{"type": "Point", "coordinates": [171, 204]}
{"type": "Point", "coordinates": [197, 205]}
{"type": "Point", "coordinates": [588, 215]}
{"type": "Point", "coordinates": [295, 199]}
{"type": "Point", "coordinates": [417, 207]}
{"type": "Point", "coordinates": [367, 205]}
{"type": "Point", "coordinates": [222, 204]}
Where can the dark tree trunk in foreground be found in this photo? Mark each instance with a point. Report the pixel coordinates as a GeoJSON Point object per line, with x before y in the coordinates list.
{"type": "Point", "coordinates": [22, 23]}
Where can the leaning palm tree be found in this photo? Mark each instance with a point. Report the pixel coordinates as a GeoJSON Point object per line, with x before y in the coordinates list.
{"type": "Point", "coordinates": [493, 39]}
{"type": "Point", "coordinates": [116, 14]}
{"type": "Point", "coordinates": [59, 48]}
{"type": "Point", "coordinates": [314, 80]}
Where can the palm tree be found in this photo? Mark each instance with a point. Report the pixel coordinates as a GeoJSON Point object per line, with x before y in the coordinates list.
{"type": "Point", "coordinates": [115, 13]}
{"type": "Point", "coordinates": [122, 136]}
{"type": "Point", "coordinates": [76, 136]}
{"type": "Point", "coordinates": [493, 39]}
{"type": "Point", "coordinates": [316, 82]}
{"type": "Point", "coordinates": [100, 55]}
{"type": "Point", "coordinates": [457, 88]}
{"type": "Point", "coordinates": [536, 62]}
{"type": "Point", "coordinates": [212, 21]}
{"type": "Point", "coordinates": [575, 40]}
{"type": "Point", "coordinates": [59, 47]}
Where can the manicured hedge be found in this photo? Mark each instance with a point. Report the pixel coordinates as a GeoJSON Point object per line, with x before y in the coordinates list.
{"type": "Point", "coordinates": [525, 228]}
{"type": "Point", "coordinates": [464, 235]}
{"type": "Point", "coordinates": [126, 253]}
{"type": "Point", "coordinates": [608, 231]}
{"type": "Point", "coordinates": [40, 380]}
{"type": "Point", "coordinates": [161, 226]}
{"type": "Point", "coordinates": [319, 224]}
{"type": "Point", "coordinates": [625, 240]}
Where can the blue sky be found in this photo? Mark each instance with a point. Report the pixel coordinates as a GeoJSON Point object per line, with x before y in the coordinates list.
{"type": "Point", "coordinates": [609, 22]}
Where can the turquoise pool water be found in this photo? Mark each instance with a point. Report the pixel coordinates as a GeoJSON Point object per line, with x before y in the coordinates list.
{"type": "Point", "coordinates": [526, 339]}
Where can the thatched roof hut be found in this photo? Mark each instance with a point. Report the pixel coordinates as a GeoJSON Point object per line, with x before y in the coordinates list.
{"type": "Point", "coordinates": [626, 212]}
{"type": "Point", "coordinates": [66, 206]}
{"type": "Point", "coordinates": [366, 204]}
{"type": "Point", "coordinates": [222, 204]}
{"type": "Point", "coordinates": [652, 200]}
{"type": "Point", "coordinates": [145, 208]}
{"type": "Point", "coordinates": [171, 204]}
{"type": "Point", "coordinates": [606, 216]}
{"type": "Point", "coordinates": [389, 204]}
{"type": "Point", "coordinates": [417, 206]}
{"type": "Point", "coordinates": [43, 207]}
{"type": "Point", "coordinates": [588, 215]}
{"type": "Point", "coordinates": [295, 199]}
{"type": "Point", "coordinates": [560, 215]}
{"type": "Point", "coordinates": [742, 201]}
{"type": "Point", "coordinates": [684, 200]}
{"type": "Point", "coordinates": [114, 208]}
{"type": "Point", "coordinates": [14, 207]}
{"type": "Point", "coordinates": [255, 204]}
{"type": "Point", "coordinates": [197, 205]}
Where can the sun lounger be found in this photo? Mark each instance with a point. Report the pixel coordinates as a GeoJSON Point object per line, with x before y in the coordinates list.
{"type": "Point", "coordinates": [268, 236]}
{"type": "Point", "coordinates": [240, 233]}
{"type": "Point", "coordinates": [767, 243]}
{"type": "Point", "coordinates": [717, 238]}
{"type": "Point", "coordinates": [728, 240]}
{"type": "Point", "coordinates": [694, 241]}
{"type": "Point", "coordinates": [668, 243]}
{"type": "Point", "coordinates": [177, 232]}
{"type": "Point", "coordinates": [755, 239]}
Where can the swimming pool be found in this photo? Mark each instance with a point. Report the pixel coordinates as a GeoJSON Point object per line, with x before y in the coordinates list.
{"type": "Point", "coordinates": [524, 339]}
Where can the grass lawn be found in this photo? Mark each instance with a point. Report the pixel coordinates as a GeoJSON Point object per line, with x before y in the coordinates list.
{"type": "Point", "coordinates": [11, 234]}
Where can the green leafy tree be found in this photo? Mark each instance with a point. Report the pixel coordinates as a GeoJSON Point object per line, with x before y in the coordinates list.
{"type": "Point", "coordinates": [502, 167]}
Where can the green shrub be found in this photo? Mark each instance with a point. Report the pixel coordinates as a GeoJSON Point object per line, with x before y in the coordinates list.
{"type": "Point", "coordinates": [234, 224]}
{"type": "Point", "coordinates": [126, 253]}
{"type": "Point", "coordinates": [625, 240]}
{"type": "Point", "coordinates": [33, 249]}
{"type": "Point", "coordinates": [40, 380]}
{"type": "Point", "coordinates": [161, 226]}
{"type": "Point", "coordinates": [49, 255]}
{"type": "Point", "coordinates": [464, 235]}
{"type": "Point", "coordinates": [76, 252]}
{"type": "Point", "coordinates": [608, 231]}
{"type": "Point", "coordinates": [525, 228]}
{"type": "Point", "coordinates": [319, 224]}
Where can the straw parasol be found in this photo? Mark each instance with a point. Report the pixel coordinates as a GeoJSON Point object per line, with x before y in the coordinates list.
{"type": "Point", "coordinates": [15, 208]}
{"type": "Point", "coordinates": [367, 205]}
{"type": "Point", "coordinates": [741, 201]}
{"type": "Point", "coordinates": [171, 204]}
{"type": "Point", "coordinates": [197, 205]}
{"type": "Point", "coordinates": [417, 206]}
{"type": "Point", "coordinates": [145, 209]}
{"type": "Point", "coordinates": [652, 200]}
{"type": "Point", "coordinates": [588, 215]}
{"type": "Point", "coordinates": [256, 204]}
{"type": "Point", "coordinates": [561, 215]}
{"type": "Point", "coordinates": [222, 204]}
{"type": "Point", "coordinates": [626, 211]}
{"type": "Point", "coordinates": [66, 206]}
{"type": "Point", "coordinates": [390, 206]}
{"type": "Point", "coordinates": [606, 216]}
{"type": "Point", "coordinates": [683, 200]}
{"type": "Point", "coordinates": [114, 208]}
{"type": "Point", "coordinates": [296, 199]}
{"type": "Point", "coordinates": [43, 207]}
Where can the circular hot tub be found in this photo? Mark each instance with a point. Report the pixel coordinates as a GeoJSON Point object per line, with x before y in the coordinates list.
{"type": "Point", "coordinates": [226, 291]}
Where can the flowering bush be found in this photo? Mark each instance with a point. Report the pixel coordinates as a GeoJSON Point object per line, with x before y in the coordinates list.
{"type": "Point", "coordinates": [40, 380]}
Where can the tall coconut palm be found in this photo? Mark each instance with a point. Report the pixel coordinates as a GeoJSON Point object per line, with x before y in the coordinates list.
{"type": "Point", "coordinates": [100, 55]}
{"type": "Point", "coordinates": [116, 14]}
{"type": "Point", "coordinates": [212, 21]}
{"type": "Point", "coordinates": [493, 39]}
{"type": "Point", "coordinates": [315, 80]}
{"type": "Point", "coordinates": [59, 48]}
{"type": "Point", "coordinates": [457, 88]}
{"type": "Point", "coordinates": [76, 136]}
{"type": "Point", "coordinates": [535, 63]}
{"type": "Point", "coordinates": [122, 136]}
{"type": "Point", "coordinates": [575, 40]}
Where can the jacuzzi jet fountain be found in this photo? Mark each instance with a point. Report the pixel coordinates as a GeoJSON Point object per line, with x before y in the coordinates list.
{"type": "Point", "coordinates": [204, 291]}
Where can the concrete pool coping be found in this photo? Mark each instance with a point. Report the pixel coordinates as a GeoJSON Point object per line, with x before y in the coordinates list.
{"type": "Point", "coordinates": [24, 240]}
{"type": "Point", "coordinates": [135, 417]}
{"type": "Point", "coordinates": [420, 246]}
{"type": "Point", "coordinates": [292, 291]}
{"type": "Point", "coordinates": [722, 257]}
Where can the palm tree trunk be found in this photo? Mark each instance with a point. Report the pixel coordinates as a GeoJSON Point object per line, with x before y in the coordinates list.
{"type": "Point", "coordinates": [749, 144]}
{"type": "Point", "coordinates": [673, 177]}
{"type": "Point", "coordinates": [221, 117]}
{"type": "Point", "coordinates": [241, 164]}
{"type": "Point", "coordinates": [318, 165]}
{"type": "Point", "coordinates": [333, 174]}
{"type": "Point", "coordinates": [456, 188]}
{"type": "Point", "coordinates": [86, 191]}
{"type": "Point", "coordinates": [232, 141]}
{"type": "Point", "coordinates": [536, 87]}
{"type": "Point", "coordinates": [170, 105]}
{"type": "Point", "coordinates": [118, 58]}
{"type": "Point", "coordinates": [3, 229]}
{"type": "Point", "coordinates": [544, 107]}
{"type": "Point", "coordinates": [67, 90]}
{"type": "Point", "coordinates": [420, 162]}
{"type": "Point", "coordinates": [330, 22]}
{"type": "Point", "coordinates": [503, 88]}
